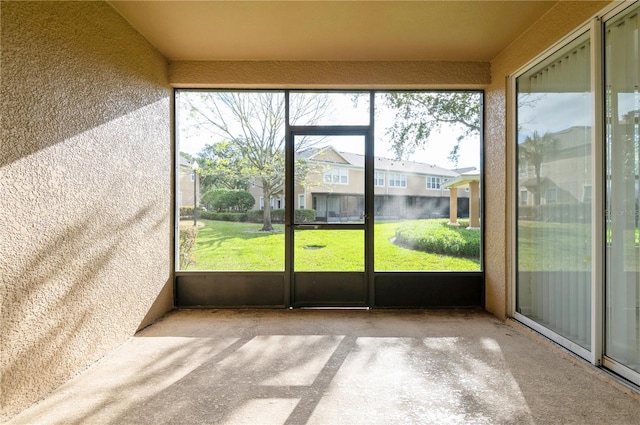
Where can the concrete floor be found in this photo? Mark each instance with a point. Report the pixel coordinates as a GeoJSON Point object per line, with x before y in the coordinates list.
{"type": "Point", "coordinates": [337, 367]}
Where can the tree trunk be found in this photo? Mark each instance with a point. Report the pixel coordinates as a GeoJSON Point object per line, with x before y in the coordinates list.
{"type": "Point", "coordinates": [266, 213]}
{"type": "Point", "coordinates": [537, 194]}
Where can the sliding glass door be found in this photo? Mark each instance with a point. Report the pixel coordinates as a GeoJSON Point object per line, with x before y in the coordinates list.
{"type": "Point", "coordinates": [554, 180]}
{"type": "Point", "coordinates": [622, 314]}
{"type": "Point", "coordinates": [577, 193]}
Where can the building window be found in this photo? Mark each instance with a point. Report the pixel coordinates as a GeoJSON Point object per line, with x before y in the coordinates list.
{"type": "Point", "coordinates": [433, 182]}
{"type": "Point", "coordinates": [524, 197]}
{"type": "Point", "coordinates": [336, 176]}
{"type": "Point", "coordinates": [379, 179]}
{"type": "Point", "coordinates": [301, 202]}
{"type": "Point", "coordinates": [273, 202]}
{"type": "Point", "coordinates": [397, 180]}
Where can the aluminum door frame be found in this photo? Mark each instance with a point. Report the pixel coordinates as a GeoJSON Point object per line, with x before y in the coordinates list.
{"type": "Point", "coordinates": [344, 289]}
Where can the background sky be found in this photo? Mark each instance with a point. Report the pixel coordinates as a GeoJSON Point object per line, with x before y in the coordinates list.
{"type": "Point", "coordinates": [343, 112]}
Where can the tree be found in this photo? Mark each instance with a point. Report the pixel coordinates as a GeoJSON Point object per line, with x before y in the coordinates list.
{"type": "Point", "coordinates": [253, 124]}
{"type": "Point", "coordinates": [228, 200]}
{"type": "Point", "coordinates": [222, 165]}
{"type": "Point", "coordinates": [418, 114]}
{"type": "Point", "coordinates": [534, 150]}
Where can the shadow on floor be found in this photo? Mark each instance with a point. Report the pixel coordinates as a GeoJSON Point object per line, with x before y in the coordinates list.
{"type": "Point", "coordinates": [334, 367]}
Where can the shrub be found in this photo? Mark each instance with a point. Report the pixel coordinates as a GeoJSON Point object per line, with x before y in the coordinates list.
{"type": "Point", "coordinates": [187, 212]}
{"type": "Point", "coordinates": [436, 236]}
{"type": "Point", "coordinates": [575, 212]}
{"type": "Point", "coordinates": [305, 216]}
{"type": "Point", "coordinates": [254, 216]}
{"type": "Point", "coordinates": [228, 199]}
{"type": "Point", "coordinates": [277, 216]}
{"type": "Point", "coordinates": [223, 216]}
{"type": "Point", "coordinates": [188, 236]}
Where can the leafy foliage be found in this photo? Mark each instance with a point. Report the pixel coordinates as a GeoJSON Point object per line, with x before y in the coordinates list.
{"type": "Point", "coordinates": [253, 124]}
{"type": "Point", "coordinates": [188, 236]}
{"type": "Point", "coordinates": [277, 215]}
{"type": "Point", "coordinates": [228, 200]}
{"type": "Point", "coordinates": [222, 165]}
{"type": "Point", "coordinates": [418, 114]}
{"type": "Point", "coordinates": [188, 212]}
{"type": "Point", "coordinates": [224, 216]}
{"type": "Point", "coordinates": [534, 150]}
{"type": "Point", "coordinates": [436, 236]}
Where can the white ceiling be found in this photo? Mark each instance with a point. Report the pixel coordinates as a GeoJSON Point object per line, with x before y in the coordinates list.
{"type": "Point", "coordinates": [331, 30]}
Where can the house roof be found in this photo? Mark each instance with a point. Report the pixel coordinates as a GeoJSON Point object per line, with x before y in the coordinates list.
{"type": "Point", "coordinates": [464, 170]}
{"type": "Point", "coordinates": [463, 179]}
{"type": "Point", "coordinates": [357, 160]}
{"type": "Point", "coordinates": [532, 182]}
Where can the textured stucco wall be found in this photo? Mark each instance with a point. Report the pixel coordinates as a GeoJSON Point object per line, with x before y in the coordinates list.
{"type": "Point", "coordinates": [368, 75]}
{"type": "Point", "coordinates": [85, 191]}
{"type": "Point", "coordinates": [562, 19]}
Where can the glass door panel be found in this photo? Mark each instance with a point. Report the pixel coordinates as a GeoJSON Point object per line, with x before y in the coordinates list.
{"type": "Point", "coordinates": [329, 176]}
{"type": "Point", "coordinates": [622, 317]}
{"type": "Point", "coordinates": [554, 178]}
{"type": "Point", "coordinates": [329, 238]}
{"type": "Point", "coordinates": [329, 250]}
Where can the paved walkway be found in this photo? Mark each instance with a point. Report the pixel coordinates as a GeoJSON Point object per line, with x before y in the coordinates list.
{"type": "Point", "coordinates": [337, 367]}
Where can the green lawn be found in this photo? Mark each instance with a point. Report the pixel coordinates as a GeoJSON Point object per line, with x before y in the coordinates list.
{"type": "Point", "coordinates": [553, 246]}
{"type": "Point", "coordinates": [226, 246]}
{"type": "Point", "coordinates": [563, 247]}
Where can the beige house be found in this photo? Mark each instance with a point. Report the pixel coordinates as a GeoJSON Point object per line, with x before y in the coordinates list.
{"type": "Point", "coordinates": [565, 171]}
{"type": "Point", "coordinates": [334, 187]}
{"type": "Point", "coordinates": [188, 184]}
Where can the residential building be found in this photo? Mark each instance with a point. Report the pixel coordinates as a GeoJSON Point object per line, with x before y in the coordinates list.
{"type": "Point", "coordinates": [188, 184]}
{"type": "Point", "coordinates": [334, 187]}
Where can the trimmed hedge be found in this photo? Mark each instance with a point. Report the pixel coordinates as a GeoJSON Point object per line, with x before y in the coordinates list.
{"type": "Point", "coordinates": [305, 216]}
{"type": "Point", "coordinates": [188, 211]}
{"type": "Point", "coordinates": [435, 236]}
{"type": "Point", "coordinates": [277, 216]}
{"type": "Point", "coordinates": [256, 216]}
{"type": "Point", "coordinates": [223, 216]}
{"type": "Point", "coordinates": [575, 212]}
